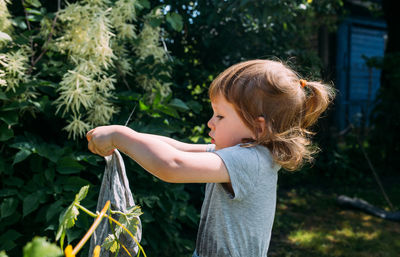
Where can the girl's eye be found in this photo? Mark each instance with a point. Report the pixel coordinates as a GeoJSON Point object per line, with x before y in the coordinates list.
{"type": "Point", "coordinates": [220, 117]}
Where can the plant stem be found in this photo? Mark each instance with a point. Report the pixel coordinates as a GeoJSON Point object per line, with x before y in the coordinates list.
{"type": "Point", "coordinates": [95, 224]}
{"type": "Point", "coordinates": [94, 215]}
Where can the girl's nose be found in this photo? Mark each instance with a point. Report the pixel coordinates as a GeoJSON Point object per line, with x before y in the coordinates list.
{"type": "Point", "coordinates": [210, 124]}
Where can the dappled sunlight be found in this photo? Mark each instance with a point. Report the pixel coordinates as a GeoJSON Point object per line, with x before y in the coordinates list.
{"type": "Point", "coordinates": [295, 198]}
{"type": "Point", "coordinates": [314, 225]}
{"type": "Point", "coordinates": [348, 232]}
{"type": "Point", "coordinates": [314, 239]}
{"type": "Point", "coordinates": [331, 241]}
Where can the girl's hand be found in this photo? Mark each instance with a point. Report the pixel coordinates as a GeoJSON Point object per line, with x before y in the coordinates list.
{"type": "Point", "coordinates": [100, 140]}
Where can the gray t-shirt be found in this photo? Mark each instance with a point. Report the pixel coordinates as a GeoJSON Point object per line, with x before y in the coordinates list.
{"type": "Point", "coordinates": [240, 225]}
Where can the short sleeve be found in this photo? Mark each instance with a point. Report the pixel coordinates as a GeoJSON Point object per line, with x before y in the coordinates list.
{"type": "Point", "coordinates": [242, 164]}
{"type": "Point", "coordinates": [210, 148]}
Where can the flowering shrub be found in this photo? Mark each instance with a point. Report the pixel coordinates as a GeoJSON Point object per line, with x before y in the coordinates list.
{"type": "Point", "coordinates": [65, 68]}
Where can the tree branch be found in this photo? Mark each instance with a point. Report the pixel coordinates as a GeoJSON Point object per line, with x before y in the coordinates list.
{"type": "Point", "coordinates": [49, 38]}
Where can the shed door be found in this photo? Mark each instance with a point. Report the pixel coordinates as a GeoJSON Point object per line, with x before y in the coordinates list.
{"type": "Point", "coordinates": [363, 81]}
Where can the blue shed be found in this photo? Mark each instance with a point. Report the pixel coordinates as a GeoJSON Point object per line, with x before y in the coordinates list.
{"type": "Point", "coordinates": [358, 39]}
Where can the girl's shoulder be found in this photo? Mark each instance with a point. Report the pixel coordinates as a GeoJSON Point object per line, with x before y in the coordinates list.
{"type": "Point", "coordinates": [256, 156]}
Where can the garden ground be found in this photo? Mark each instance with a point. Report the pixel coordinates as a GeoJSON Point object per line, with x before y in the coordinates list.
{"type": "Point", "coordinates": [309, 222]}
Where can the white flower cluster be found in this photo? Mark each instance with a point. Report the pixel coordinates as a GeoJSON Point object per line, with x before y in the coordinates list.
{"type": "Point", "coordinates": [5, 67]}
{"type": "Point", "coordinates": [13, 66]}
{"type": "Point", "coordinates": [5, 22]}
{"type": "Point", "coordinates": [149, 43]}
{"type": "Point", "coordinates": [122, 14]}
{"type": "Point", "coordinates": [87, 39]}
{"type": "Point", "coordinates": [94, 36]}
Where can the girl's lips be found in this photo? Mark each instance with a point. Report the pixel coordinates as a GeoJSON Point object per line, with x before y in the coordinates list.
{"type": "Point", "coordinates": [212, 141]}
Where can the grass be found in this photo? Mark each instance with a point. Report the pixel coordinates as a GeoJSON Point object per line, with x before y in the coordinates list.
{"type": "Point", "coordinates": [309, 222]}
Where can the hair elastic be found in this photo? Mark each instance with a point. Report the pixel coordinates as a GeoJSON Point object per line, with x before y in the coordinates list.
{"type": "Point", "coordinates": [303, 83]}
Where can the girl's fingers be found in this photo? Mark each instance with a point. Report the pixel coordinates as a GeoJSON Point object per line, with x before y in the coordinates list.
{"type": "Point", "coordinates": [92, 148]}
{"type": "Point", "coordinates": [89, 135]}
{"type": "Point", "coordinates": [110, 152]}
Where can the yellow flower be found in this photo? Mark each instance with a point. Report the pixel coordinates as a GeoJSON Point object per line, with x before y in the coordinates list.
{"type": "Point", "coordinates": [68, 251]}
{"type": "Point", "coordinates": [96, 251]}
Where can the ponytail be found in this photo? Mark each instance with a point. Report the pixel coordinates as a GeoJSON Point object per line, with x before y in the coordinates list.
{"type": "Point", "coordinates": [318, 97]}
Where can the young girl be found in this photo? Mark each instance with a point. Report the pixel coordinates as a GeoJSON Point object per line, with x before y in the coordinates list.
{"type": "Point", "coordinates": [262, 112]}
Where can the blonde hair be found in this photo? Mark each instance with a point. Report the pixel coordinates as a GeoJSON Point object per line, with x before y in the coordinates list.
{"type": "Point", "coordinates": [270, 89]}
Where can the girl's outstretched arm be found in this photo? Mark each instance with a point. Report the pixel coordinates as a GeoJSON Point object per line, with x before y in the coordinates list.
{"type": "Point", "coordinates": [159, 157]}
{"type": "Point", "coordinates": [186, 147]}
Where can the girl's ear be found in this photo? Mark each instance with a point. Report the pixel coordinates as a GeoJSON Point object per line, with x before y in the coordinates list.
{"type": "Point", "coordinates": [261, 126]}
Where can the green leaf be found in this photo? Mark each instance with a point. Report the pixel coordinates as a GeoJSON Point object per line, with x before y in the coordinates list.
{"type": "Point", "coordinates": [50, 151]}
{"type": "Point", "coordinates": [89, 158]}
{"type": "Point", "coordinates": [68, 218]}
{"type": "Point", "coordinates": [23, 145]}
{"type": "Point", "coordinates": [49, 174]}
{"type": "Point", "coordinates": [155, 22]}
{"type": "Point", "coordinates": [40, 247]}
{"type": "Point", "coordinates": [82, 194]}
{"type": "Point", "coordinates": [3, 96]}
{"type": "Point", "coordinates": [129, 220]}
{"type": "Point", "coordinates": [21, 155]}
{"type": "Point", "coordinates": [34, 3]}
{"type": "Point", "coordinates": [8, 192]}
{"type": "Point", "coordinates": [110, 243]}
{"type": "Point", "coordinates": [196, 107]}
{"type": "Point", "coordinates": [4, 37]}
{"type": "Point", "coordinates": [68, 165]}
{"type": "Point", "coordinates": [143, 4]}
{"type": "Point", "coordinates": [53, 210]}
{"type": "Point", "coordinates": [8, 207]}
{"type": "Point", "coordinates": [169, 110]}
{"type": "Point", "coordinates": [14, 181]}
{"type": "Point", "coordinates": [74, 183]}
{"type": "Point", "coordinates": [3, 254]}
{"type": "Point", "coordinates": [33, 11]}
{"type": "Point", "coordinates": [7, 239]}
{"type": "Point", "coordinates": [143, 106]}
{"type": "Point", "coordinates": [9, 117]}
{"type": "Point", "coordinates": [20, 22]}
{"type": "Point", "coordinates": [5, 132]}
{"type": "Point", "coordinates": [179, 104]}
{"type": "Point", "coordinates": [175, 20]}
{"type": "Point", "coordinates": [31, 202]}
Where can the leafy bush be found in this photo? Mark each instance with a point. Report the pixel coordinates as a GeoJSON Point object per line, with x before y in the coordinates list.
{"type": "Point", "coordinates": [59, 77]}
